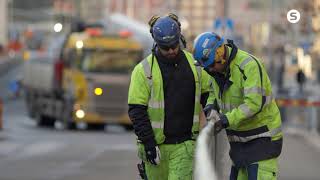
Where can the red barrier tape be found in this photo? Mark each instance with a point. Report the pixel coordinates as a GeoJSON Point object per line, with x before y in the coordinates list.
{"type": "Point", "coordinates": [295, 102]}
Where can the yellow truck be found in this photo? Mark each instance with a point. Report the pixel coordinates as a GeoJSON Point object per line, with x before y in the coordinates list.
{"type": "Point", "coordinates": [86, 83]}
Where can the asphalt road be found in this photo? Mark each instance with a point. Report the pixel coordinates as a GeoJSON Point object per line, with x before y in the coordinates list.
{"type": "Point", "coordinates": [31, 153]}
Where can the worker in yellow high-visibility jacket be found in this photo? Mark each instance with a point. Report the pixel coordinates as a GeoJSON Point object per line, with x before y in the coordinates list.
{"type": "Point", "coordinates": [241, 102]}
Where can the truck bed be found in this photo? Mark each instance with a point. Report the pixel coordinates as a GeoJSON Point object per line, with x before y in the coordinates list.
{"type": "Point", "coordinates": [39, 74]}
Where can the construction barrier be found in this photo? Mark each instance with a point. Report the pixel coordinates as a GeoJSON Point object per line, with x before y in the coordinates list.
{"type": "Point", "coordinates": [297, 102]}
{"type": "Point", "coordinates": [300, 113]}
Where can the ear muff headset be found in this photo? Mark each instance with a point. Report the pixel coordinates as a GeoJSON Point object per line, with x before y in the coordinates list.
{"type": "Point", "coordinates": [152, 21]}
{"type": "Point", "coordinates": [176, 19]}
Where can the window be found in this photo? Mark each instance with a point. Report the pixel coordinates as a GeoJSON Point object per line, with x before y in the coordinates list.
{"type": "Point", "coordinates": [109, 61]}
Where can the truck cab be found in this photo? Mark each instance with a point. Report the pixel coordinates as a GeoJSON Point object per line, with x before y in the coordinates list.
{"type": "Point", "coordinates": [96, 76]}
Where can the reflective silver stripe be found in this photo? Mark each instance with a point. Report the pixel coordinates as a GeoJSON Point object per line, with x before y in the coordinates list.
{"type": "Point", "coordinates": [195, 118]}
{"type": "Point", "coordinates": [256, 90]}
{"type": "Point", "coordinates": [156, 104]}
{"type": "Point", "coordinates": [147, 70]}
{"type": "Point", "coordinates": [249, 138]}
{"type": "Point", "coordinates": [220, 105]}
{"type": "Point", "coordinates": [245, 62]}
{"type": "Point", "coordinates": [157, 124]}
{"type": "Point", "coordinates": [229, 107]}
{"type": "Point", "coordinates": [198, 93]}
{"type": "Point", "coordinates": [243, 107]}
{"type": "Point", "coordinates": [197, 99]}
{"type": "Point", "coordinates": [199, 69]}
{"type": "Point", "coordinates": [269, 99]}
{"type": "Point", "coordinates": [275, 131]}
{"type": "Point", "coordinates": [246, 110]}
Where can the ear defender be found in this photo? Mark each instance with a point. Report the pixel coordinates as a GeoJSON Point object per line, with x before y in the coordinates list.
{"type": "Point", "coordinates": [220, 54]}
{"type": "Point", "coordinates": [152, 21]}
{"type": "Point", "coordinates": [175, 18]}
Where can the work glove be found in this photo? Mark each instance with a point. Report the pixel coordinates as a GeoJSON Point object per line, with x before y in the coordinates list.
{"type": "Point", "coordinates": [220, 120]}
{"type": "Point", "coordinates": [211, 113]}
{"type": "Point", "coordinates": [152, 154]}
{"type": "Point", "coordinates": [152, 151]}
{"type": "Point", "coordinates": [218, 126]}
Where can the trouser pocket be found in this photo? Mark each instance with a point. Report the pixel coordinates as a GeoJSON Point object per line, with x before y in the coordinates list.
{"type": "Point", "coordinates": [266, 174]}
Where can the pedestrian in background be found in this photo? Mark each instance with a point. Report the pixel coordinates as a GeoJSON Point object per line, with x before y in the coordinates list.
{"type": "Point", "coordinates": [301, 79]}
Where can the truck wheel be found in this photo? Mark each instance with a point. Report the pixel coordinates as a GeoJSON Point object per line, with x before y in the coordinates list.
{"type": "Point", "coordinates": [70, 126]}
{"type": "Point", "coordinates": [48, 121]}
{"type": "Point", "coordinates": [42, 120]}
{"type": "Point", "coordinates": [99, 127]}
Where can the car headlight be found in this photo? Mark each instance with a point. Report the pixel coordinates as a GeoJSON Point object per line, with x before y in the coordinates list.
{"type": "Point", "coordinates": [80, 113]}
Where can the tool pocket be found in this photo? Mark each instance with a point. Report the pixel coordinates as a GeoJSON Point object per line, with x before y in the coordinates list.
{"type": "Point", "coordinates": [266, 174]}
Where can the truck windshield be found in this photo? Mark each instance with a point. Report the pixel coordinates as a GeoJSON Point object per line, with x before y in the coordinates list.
{"type": "Point", "coordinates": [109, 61]}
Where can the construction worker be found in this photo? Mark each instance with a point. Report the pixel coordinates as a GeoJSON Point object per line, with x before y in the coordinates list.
{"type": "Point", "coordinates": [241, 102]}
{"type": "Point", "coordinates": [164, 103]}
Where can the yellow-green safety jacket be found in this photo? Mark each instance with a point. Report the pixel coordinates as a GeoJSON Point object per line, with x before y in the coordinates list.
{"type": "Point", "coordinates": [246, 101]}
{"type": "Point", "coordinates": [146, 88]}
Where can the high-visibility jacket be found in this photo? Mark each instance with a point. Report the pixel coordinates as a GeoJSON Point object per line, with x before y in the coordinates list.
{"type": "Point", "coordinates": [146, 88]}
{"type": "Point", "coordinates": [246, 101]}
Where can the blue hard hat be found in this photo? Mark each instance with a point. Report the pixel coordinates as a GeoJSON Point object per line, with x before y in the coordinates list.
{"type": "Point", "coordinates": [166, 32]}
{"type": "Point", "coordinates": [204, 48]}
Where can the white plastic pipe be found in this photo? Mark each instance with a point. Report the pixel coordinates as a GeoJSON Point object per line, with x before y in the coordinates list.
{"type": "Point", "coordinates": [204, 165]}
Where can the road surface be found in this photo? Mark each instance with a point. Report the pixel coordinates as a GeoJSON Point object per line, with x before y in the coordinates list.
{"type": "Point", "coordinates": [31, 153]}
